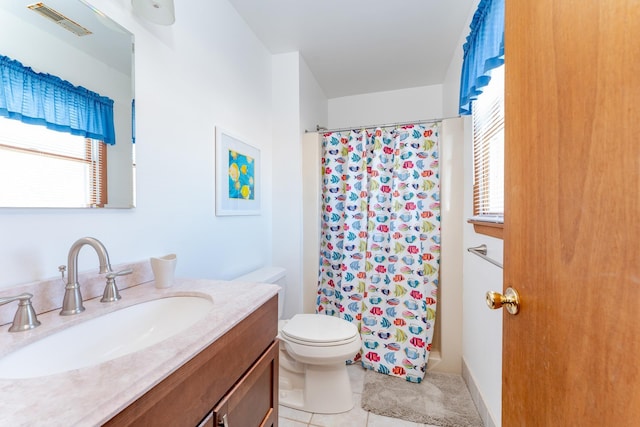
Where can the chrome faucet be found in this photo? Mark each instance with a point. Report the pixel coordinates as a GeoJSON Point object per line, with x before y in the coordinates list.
{"type": "Point", "coordinates": [72, 302]}
{"type": "Point", "coordinates": [25, 317]}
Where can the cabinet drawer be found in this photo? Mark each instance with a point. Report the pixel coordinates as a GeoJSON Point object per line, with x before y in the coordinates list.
{"type": "Point", "coordinates": [253, 401]}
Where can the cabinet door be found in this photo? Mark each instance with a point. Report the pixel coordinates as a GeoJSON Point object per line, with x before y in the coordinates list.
{"type": "Point", "coordinates": [253, 401]}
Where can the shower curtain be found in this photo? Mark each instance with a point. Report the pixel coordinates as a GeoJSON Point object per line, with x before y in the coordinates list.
{"type": "Point", "coordinates": [380, 242]}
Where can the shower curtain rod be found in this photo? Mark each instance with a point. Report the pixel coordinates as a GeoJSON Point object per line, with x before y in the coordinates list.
{"type": "Point", "coordinates": [416, 122]}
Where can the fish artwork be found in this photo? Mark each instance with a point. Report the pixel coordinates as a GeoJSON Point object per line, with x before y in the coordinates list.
{"type": "Point", "coordinates": [369, 321]}
{"type": "Point", "coordinates": [400, 336]}
{"type": "Point", "coordinates": [390, 358]}
{"type": "Point", "coordinates": [415, 329]}
{"type": "Point", "coordinates": [398, 371]}
{"type": "Point", "coordinates": [373, 356]}
{"type": "Point", "coordinates": [408, 364]}
{"type": "Point", "coordinates": [410, 304]}
{"type": "Point", "coordinates": [399, 322]}
{"type": "Point", "coordinates": [371, 344]}
{"type": "Point", "coordinates": [392, 346]}
{"type": "Point", "coordinates": [409, 315]}
{"type": "Point", "coordinates": [417, 342]}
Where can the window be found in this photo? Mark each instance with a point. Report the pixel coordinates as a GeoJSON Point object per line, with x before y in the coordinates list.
{"type": "Point", "coordinates": [488, 154]}
{"type": "Point", "coordinates": [70, 171]}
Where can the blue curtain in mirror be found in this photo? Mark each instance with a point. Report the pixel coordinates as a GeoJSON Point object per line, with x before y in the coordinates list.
{"type": "Point", "coordinates": [483, 51]}
{"type": "Point", "coordinates": [44, 99]}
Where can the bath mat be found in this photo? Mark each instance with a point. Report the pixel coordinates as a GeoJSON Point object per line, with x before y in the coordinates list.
{"type": "Point", "coordinates": [440, 399]}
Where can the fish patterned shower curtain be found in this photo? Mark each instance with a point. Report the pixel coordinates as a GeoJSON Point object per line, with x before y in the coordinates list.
{"type": "Point", "coordinates": [380, 242]}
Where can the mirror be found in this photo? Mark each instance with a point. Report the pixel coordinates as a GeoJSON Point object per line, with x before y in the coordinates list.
{"type": "Point", "coordinates": [101, 62]}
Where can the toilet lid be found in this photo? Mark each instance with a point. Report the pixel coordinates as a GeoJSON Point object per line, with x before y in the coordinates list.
{"type": "Point", "coordinates": [319, 328]}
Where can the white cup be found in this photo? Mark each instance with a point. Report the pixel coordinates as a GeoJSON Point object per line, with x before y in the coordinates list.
{"type": "Point", "coordinates": [163, 270]}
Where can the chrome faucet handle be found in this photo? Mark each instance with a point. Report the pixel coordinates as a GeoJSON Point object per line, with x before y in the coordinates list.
{"type": "Point", "coordinates": [111, 293]}
{"type": "Point", "coordinates": [25, 317]}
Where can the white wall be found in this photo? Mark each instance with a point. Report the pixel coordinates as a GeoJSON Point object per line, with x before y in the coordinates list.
{"type": "Point", "coordinates": [394, 106]}
{"type": "Point", "coordinates": [287, 192]}
{"type": "Point", "coordinates": [482, 328]}
{"type": "Point", "coordinates": [299, 104]}
{"type": "Point", "coordinates": [314, 106]}
{"type": "Point", "coordinates": [311, 215]}
{"type": "Point", "coordinates": [449, 314]}
{"type": "Point", "coordinates": [207, 69]}
{"type": "Point", "coordinates": [313, 111]}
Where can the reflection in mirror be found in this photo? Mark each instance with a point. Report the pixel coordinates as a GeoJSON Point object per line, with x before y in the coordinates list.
{"type": "Point", "coordinates": [100, 60]}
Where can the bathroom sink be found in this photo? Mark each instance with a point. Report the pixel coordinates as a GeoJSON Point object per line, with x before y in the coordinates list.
{"type": "Point", "coordinates": [105, 337]}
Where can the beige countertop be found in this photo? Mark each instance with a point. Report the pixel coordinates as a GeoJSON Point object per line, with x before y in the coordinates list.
{"type": "Point", "coordinates": [92, 395]}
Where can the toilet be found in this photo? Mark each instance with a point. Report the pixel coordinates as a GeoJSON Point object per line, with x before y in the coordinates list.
{"type": "Point", "coordinates": [313, 352]}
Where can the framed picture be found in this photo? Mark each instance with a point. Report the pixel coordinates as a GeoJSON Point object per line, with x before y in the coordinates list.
{"type": "Point", "coordinates": [237, 176]}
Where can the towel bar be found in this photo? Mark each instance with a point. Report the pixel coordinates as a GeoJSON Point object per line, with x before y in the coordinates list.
{"type": "Point", "coordinates": [481, 251]}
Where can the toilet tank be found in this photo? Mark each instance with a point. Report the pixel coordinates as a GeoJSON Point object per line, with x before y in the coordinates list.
{"type": "Point", "coordinates": [274, 275]}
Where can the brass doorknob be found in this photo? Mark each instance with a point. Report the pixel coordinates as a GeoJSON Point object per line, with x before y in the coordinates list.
{"type": "Point", "coordinates": [510, 299]}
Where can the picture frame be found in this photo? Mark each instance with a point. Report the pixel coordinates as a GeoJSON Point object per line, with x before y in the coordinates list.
{"type": "Point", "coordinates": [238, 178]}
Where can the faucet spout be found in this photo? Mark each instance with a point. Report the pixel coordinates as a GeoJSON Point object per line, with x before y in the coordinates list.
{"type": "Point", "coordinates": [72, 302]}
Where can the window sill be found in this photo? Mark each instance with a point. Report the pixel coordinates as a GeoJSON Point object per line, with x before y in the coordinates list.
{"type": "Point", "coordinates": [488, 228]}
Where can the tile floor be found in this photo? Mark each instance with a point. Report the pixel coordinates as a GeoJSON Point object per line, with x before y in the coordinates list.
{"type": "Point", "coordinates": [357, 417]}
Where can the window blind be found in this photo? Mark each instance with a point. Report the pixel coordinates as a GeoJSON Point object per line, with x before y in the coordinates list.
{"type": "Point", "coordinates": [63, 170]}
{"type": "Point", "coordinates": [488, 150]}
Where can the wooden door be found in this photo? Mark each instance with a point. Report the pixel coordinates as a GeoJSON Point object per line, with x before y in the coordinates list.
{"type": "Point", "coordinates": [572, 213]}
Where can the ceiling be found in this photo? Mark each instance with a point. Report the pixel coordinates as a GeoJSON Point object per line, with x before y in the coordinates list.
{"type": "Point", "coordinates": [360, 46]}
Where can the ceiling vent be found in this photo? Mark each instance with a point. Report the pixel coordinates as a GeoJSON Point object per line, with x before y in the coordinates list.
{"type": "Point", "coordinates": [59, 19]}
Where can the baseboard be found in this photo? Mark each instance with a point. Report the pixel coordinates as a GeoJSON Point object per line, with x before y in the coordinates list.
{"type": "Point", "coordinates": [476, 396]}
{"type": "Point", "coordinates": [434, 360]}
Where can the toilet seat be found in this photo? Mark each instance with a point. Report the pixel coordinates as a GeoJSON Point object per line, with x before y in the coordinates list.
{"type": "Point", "coordinates": [319, 330]}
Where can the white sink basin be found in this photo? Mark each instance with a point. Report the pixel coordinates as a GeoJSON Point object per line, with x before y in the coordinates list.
{"type": "Point", "coordinates": [105, 337]}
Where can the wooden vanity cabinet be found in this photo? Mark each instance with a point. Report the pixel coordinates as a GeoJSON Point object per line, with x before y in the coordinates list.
{"type": "Point", "coordinates": [236, 376]}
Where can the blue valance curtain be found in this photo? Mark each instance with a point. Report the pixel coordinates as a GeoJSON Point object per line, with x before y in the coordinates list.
{"type": "Point", "coordinates": [43, 99]}
{"type": "Point", "coordinates": [483, 51]}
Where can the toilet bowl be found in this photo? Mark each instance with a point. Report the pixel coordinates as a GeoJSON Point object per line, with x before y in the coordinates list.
{"type": "Point", "coordinates": [313, 373]}
{"type": "Point", "coordinates": [313, 352]}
